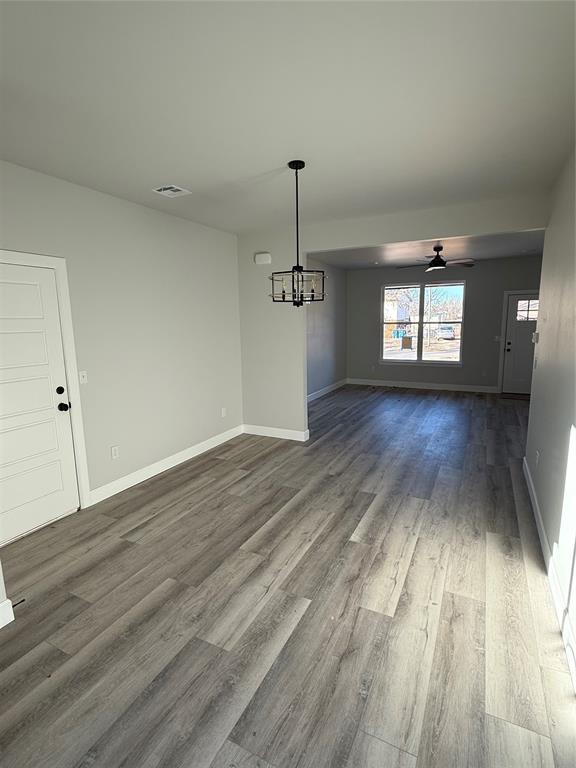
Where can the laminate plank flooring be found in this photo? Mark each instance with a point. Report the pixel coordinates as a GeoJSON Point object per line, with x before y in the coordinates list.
{"type": "Point", "coordinates": [453, 732]}
{"type": "Point", "coordinates": [373, 597]}
{"type": "Point", "coordinates": [550, 646]}
{"type": "Point", "coordinates": [369, 752]}
{"type": "Point", "coordinates": [561, 704]}
{"type": "Point", "coordinates": [233, 756]}
{"type": "Point", "coordinates": [395, 709]}
{"type": "Point", "coordinates": [513, 685]}
{"type": "Point", "coordinates": [392, 557]}
{"type": "Point", "coordinates": [514, 747]}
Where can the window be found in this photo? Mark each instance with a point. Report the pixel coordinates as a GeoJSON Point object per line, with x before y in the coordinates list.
{"type": "Point", "coordinates": [423, 323]}
{"type": "Point", "coordinates": [527, 309]}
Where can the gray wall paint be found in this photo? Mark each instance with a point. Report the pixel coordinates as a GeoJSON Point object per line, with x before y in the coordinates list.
{"type": "Point", "coordinates": [274, 338]}
{"type": "Point", "coordinates": [553, 403]}
{"type": "Point", "coordinates": [155, 311]}
{"type": "Point", "coordinates": [326, 331]}
{"type": "Point", "coordinates": [484, 294]}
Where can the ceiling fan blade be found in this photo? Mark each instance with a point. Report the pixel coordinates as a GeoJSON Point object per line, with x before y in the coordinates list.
{"type": "Point", "coordinates": [449, 263]}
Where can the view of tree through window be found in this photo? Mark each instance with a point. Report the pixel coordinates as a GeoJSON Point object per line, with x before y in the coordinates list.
{"type": "Point", "coordinates": [423, 322]}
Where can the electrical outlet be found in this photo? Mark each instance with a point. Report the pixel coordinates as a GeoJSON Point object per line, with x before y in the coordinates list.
{"type": "Point", "coordinates": [83, 377]}
{"type": "Point", "coordinates": [115, 452]}
{"type": "Point", "coordinates": [223, 412]}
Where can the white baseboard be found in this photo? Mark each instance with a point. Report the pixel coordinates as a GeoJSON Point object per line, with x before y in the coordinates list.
{"type": "Point", "coordinates": [116, 486]}
{"type": "Point", "coordinates": [325, 390]}
{"type": "Point", "coordinates": [6, 612]}
{"type": "Point", "coordinates": [559, 599]}
{"type": "Point", "coordinates": [423, 385]}
{"type": "Point", "coordinates": [283, 434]}
{"type": "Point", "coordinates": [546, 551]}
{"type": "Point", "coordinates": [123, 483]}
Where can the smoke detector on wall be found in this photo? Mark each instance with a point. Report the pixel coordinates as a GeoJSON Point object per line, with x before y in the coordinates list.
{"type": "Point", "coordinates": [171, 190]}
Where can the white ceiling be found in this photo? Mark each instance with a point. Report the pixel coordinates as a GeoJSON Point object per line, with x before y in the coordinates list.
{"type": "Point", "coordinates": [476, 247]}
{"type": "Point", "coordinates": [394, 105]}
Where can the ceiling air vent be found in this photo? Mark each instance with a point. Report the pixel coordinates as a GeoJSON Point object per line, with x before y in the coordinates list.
{"type": "Point", "coordinates": [171, 190]}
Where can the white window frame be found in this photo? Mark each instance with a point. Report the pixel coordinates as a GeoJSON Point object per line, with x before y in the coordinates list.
{"type": "Point", "coordinates": [420, 324]}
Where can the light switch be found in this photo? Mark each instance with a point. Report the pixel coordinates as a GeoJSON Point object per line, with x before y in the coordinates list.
{"type": "Point", "coordinates": [83, 377]}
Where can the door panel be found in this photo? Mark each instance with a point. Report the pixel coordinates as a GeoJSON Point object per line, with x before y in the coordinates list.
{"type": "Point", "coordinates": [37, 468]}
{"type": "Point", "coordinates": [519, 348]}
{"type": "Point", "coordinates": [16, 441]}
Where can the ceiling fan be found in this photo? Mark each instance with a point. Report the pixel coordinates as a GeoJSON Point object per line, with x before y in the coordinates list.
{"type": "Point", "coordinates": [437, 262]}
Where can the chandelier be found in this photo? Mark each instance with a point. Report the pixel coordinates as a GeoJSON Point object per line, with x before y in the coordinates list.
{"type": "Point", "coordinates": [298, 286]}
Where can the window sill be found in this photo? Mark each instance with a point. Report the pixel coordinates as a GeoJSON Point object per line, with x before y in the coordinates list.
{"type": "Point", "coordinates": [441, 363]}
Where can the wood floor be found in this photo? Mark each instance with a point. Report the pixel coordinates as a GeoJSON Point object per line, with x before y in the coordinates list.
{"type": "Point", "coordinates": [374, 598]}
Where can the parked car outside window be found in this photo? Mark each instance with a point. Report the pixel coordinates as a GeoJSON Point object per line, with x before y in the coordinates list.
{"type": "Point", "coordinates": [446, 332]}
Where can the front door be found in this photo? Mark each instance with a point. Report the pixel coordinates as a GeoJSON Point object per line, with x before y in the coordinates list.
{"type": "Point", "coordinates": [519, 345]}
{"type": "Point", "coordinates": [37, 468]}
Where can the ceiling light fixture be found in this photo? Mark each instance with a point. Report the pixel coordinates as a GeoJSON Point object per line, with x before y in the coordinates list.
{"type": "Point", "coordinates": [298, 286]}
{"type": "Point", "coordinates": [437, 262]}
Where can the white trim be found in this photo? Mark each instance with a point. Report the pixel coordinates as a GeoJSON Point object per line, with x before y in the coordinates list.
{"type": "Point", "coordinates": [503, 326]}
{"type": "Point", "coordinates": [423, 385]}
{"type": "Point", "coordinates": [283, 434]}
{"type": "Point", "coordinates": [422, 285]}
{"type": "Point", "coordinates": [558, 597]}
{"type": "Point", "coordinates": [116, 486]}
{"type": "Point", "coordinates": [325, 390]}
{"type": "Point", "coordinates": [546, 551]}
{"type": "Point", "coordinates": [140, 475]}
{"type": "Point", "coordinates": [437, 363]}
{"type": "Point", "coordinates": [6, 612]}
{"type": "Point", "coordinates": [58, 264]}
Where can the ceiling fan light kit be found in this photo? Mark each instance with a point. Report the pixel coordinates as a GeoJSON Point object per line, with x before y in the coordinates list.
{"type": "Point", "coordinates": [437, 262]}
{"type": "Point", "coordinates": [298, 286]}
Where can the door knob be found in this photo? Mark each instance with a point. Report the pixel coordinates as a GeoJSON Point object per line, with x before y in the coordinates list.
{"type": "Point", "coordinates": [63, 407]}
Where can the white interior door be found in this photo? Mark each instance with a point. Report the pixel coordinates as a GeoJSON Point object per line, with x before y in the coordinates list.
{"type": "Point", "coordinates": [37, 468]}
{"type": "Point", "coordinates": [519, 346]}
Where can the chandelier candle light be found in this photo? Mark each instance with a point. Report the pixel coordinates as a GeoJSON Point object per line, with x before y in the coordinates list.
{"type": "Point", "coordinates": [298, 286]}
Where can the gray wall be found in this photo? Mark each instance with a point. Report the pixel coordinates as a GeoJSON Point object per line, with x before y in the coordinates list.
{"type": "Point", "coordinates": [155, 311]}
{"type": "Point", "coordinates": [553, 403]}
{"type": "Point", "coordinates": [326, 331]}
{"type": "Point", "coordinates": [484, 294]}
{"type": "Point", "coordinates": [274, 338]}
